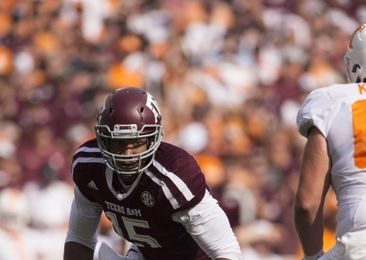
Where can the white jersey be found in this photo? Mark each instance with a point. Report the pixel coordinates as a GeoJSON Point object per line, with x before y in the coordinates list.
{"type": "Point", "coordinates": [339, 112]}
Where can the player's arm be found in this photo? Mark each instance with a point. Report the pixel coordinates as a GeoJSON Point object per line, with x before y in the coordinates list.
{"type": "Point", "coordinates": [210, 228]}
{"type": "Point", "coordinates": [313, 185]}
{"type": "Point", "coordinates": [81, 236]}
{"type": "Point", "coordinates": [74, 250]}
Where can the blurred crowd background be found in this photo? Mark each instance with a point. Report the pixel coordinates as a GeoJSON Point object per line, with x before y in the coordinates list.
{"type": "Point", "coordinates": [229, 76]}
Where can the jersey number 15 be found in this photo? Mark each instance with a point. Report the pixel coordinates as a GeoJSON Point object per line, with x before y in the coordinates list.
{"type": "Point", "coordinates": [130, 224]}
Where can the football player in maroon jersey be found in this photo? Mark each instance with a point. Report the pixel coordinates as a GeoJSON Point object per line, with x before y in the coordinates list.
{"type": "Point", "coordinates": [153, 192]}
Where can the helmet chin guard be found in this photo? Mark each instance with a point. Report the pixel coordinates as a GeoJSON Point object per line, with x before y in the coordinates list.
{"type": "Point", "coordinates": [129, 115]}
{"type": "Point", "coordinates": [355, 56]}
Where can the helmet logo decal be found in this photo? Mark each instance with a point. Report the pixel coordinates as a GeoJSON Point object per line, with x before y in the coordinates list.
{"type": "Point", "coordinates": [101, 111]}
{"type": "Point", "coordinates": [102, 108]}
{"type": "Point", "coordinates": [147, 199]}
{"type": "Point", "coordinates": [153, 106]}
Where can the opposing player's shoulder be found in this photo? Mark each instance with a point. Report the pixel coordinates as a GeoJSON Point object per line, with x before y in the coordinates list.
{"type": "Point", "coordinates": [320, 103]}
{"type": "Point", "coordinates": [318, 96]}
{"type": "Point", "coordinates": [315, 109]}
{"type": "Point", "coordinates": [334, 93]}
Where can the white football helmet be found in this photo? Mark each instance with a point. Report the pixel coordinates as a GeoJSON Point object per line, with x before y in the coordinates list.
{"type": "Point", "coordinates": [355, 57]}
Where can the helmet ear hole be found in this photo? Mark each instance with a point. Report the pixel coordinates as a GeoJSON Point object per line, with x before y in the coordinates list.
{"type": "Point", "coordinates": [355, 67]}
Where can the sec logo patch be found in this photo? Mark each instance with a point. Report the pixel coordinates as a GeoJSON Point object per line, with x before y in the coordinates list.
{"type": "Point", "coordinates": [147, 199]}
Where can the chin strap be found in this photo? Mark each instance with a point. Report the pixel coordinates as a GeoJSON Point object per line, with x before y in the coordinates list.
{"type": "Point", "coordinates": [314, 257]}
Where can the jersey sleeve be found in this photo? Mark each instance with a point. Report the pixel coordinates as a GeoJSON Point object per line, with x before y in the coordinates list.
{"type": "Point", "coordinates": [210, 228]}
{"type": "Point", "coordinates": [315, 111]}
{"type": "Point", "coordinates": [84, 220]}
{"type": "Point", "coordinates": [86, 161]}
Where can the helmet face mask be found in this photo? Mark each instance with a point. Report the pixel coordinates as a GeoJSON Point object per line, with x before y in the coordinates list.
{"type": "Point", "coordinates": [122, 163]}
{"type": "Point", "coordinates": [355, 57]}
{"type": "Point", "coordinates": [129, 132]}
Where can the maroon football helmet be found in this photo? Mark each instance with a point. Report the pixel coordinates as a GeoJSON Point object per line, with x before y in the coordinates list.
{"type": "Point", "coordinates": [128, 116]}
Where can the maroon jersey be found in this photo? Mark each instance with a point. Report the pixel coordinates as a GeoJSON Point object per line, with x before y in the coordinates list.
{"type": "Point", "coordinates": [143, 214]}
